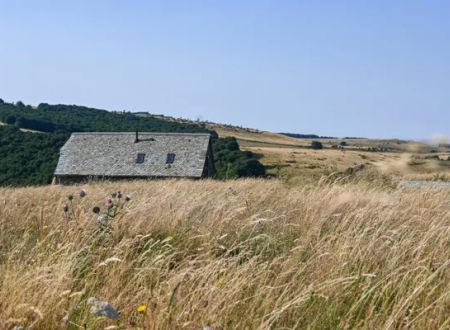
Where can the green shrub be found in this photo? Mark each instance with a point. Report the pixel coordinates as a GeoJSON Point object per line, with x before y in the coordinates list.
{"type": "Point", "coordinates": [10, 120]}
{"type": "Point", "coordinates": [316, 145]}
{"type": "Point", "coordinates": [231, 162]}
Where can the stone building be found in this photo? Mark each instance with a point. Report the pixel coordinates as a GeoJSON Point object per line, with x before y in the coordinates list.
{"type": "Point", "coordinates": [128, 155]}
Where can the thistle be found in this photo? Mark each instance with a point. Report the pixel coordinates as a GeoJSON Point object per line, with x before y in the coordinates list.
{"type": "Point", "coordinates": [102, 218]}
{"type": "Point", "coordinates": [109, 204]}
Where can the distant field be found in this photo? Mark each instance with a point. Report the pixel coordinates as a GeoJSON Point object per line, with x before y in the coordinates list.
{"type": "Point", "coordinates": [246, 254]}
{"type": "Point", "coordinates": [293, 159]}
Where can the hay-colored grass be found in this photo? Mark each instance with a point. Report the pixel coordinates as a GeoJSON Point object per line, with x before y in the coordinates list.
{"type": "Point", "coordinates": [248, 254]}
{"type": "Point", "coordinates": [293, 159]}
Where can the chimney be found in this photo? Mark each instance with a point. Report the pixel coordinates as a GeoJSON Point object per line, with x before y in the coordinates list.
{"type": "Point", "coordinates": [136, 140]}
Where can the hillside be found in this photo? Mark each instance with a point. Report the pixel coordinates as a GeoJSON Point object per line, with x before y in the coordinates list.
{"type": "Point", "coordinates": [29, 158]}
{"type": "Point", "coordinates": [293, 159]}
{"type": "Point", "coordinates": [247, 254]}
{"type": "Point", "coordinates": [290, 156]}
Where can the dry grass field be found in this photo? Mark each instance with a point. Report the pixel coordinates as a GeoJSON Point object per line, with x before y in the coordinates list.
{"type": "Point", "coordinates": [293, 160]}
{"type": "Point", "coordinates": [246, 254]}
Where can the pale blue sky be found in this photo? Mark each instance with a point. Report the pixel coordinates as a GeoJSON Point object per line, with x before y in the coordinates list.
{"type": "Point", "coordinates": [341, 68]}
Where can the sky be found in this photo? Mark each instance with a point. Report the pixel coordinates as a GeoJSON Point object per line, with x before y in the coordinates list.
{"type": "Point", "coordinates": [335, 68]}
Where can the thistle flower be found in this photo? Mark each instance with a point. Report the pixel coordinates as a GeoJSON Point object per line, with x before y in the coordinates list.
{"type": "Point", "coordinates": [96, 210]}
{"type": "Point", "coordinates": [119, 194]}
{"type": "Point", "coordinates": [127, 198]}
{"type": "Point", "coordinates": [70, 197]}
{"type": "Point", "coordinates": [109, 203]}
{"type": "Point", "coordinates": [82, 193]}
{"type": "Point", "coordinates": [66, 208]}
{"type": "Point", "coordinates": [102, 218]}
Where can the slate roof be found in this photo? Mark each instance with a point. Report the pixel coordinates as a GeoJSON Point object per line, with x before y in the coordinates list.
{"type": "Point", "coordinates": [115, 154]}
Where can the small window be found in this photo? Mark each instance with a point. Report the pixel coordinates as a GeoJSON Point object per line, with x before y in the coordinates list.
{"type": "Point", "coordinates": [170, 158]}
{"type": "Point", "coordinates": [140, 158]}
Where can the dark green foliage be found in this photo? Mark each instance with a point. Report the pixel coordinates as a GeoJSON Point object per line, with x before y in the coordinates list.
{"type": "Point", "coordinates": [316, 145]}
{"type": "Point", "coordinates": [28, 158]}
{"type": "Point", "coordinates": [232, 163]}
{"type": "Point", "coordinates": [72, 118]}
{"type": "Point", "coordinates": [20, 104]}
{"type": "Point", "coordinates": [10, 120]}
{"type": "Point", "coordinates": [31, 158]}
{"type": "Point", "coordinates": [34, 124]}
{"type": "Point", "coordinates": [307, 136]}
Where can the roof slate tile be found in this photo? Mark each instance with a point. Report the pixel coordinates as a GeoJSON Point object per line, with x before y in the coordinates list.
{"type": "Point", "coordinates": [114, 154]}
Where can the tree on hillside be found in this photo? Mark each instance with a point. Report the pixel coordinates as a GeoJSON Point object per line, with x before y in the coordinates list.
{"type": "Point", "coordinates": [20, 104]}
{"type": "Point", "coordinates": [10, 120]}
{"type": "Point", "coordinates": [231, 162]}
{"type": "Point", "coordinates": [316, 145]}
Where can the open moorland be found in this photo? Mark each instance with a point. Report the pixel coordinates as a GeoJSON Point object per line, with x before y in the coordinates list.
{"type": "Point", "coordinates": [244, 254]}
{"type": "Point", "coordinates": [294, 160]}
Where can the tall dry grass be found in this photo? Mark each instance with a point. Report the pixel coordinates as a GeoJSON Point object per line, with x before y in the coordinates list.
{"type": "Point", "coordinates": [232, 255]}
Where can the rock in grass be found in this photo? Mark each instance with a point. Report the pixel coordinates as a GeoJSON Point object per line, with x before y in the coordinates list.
{"type": "Point", "coordinates": [102, 308]}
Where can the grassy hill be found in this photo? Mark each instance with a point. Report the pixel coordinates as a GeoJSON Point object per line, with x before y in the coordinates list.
{"type": "Point", "coordinates": [294, 160]}
{"type": "Point", "coordinates": [247, 254]}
